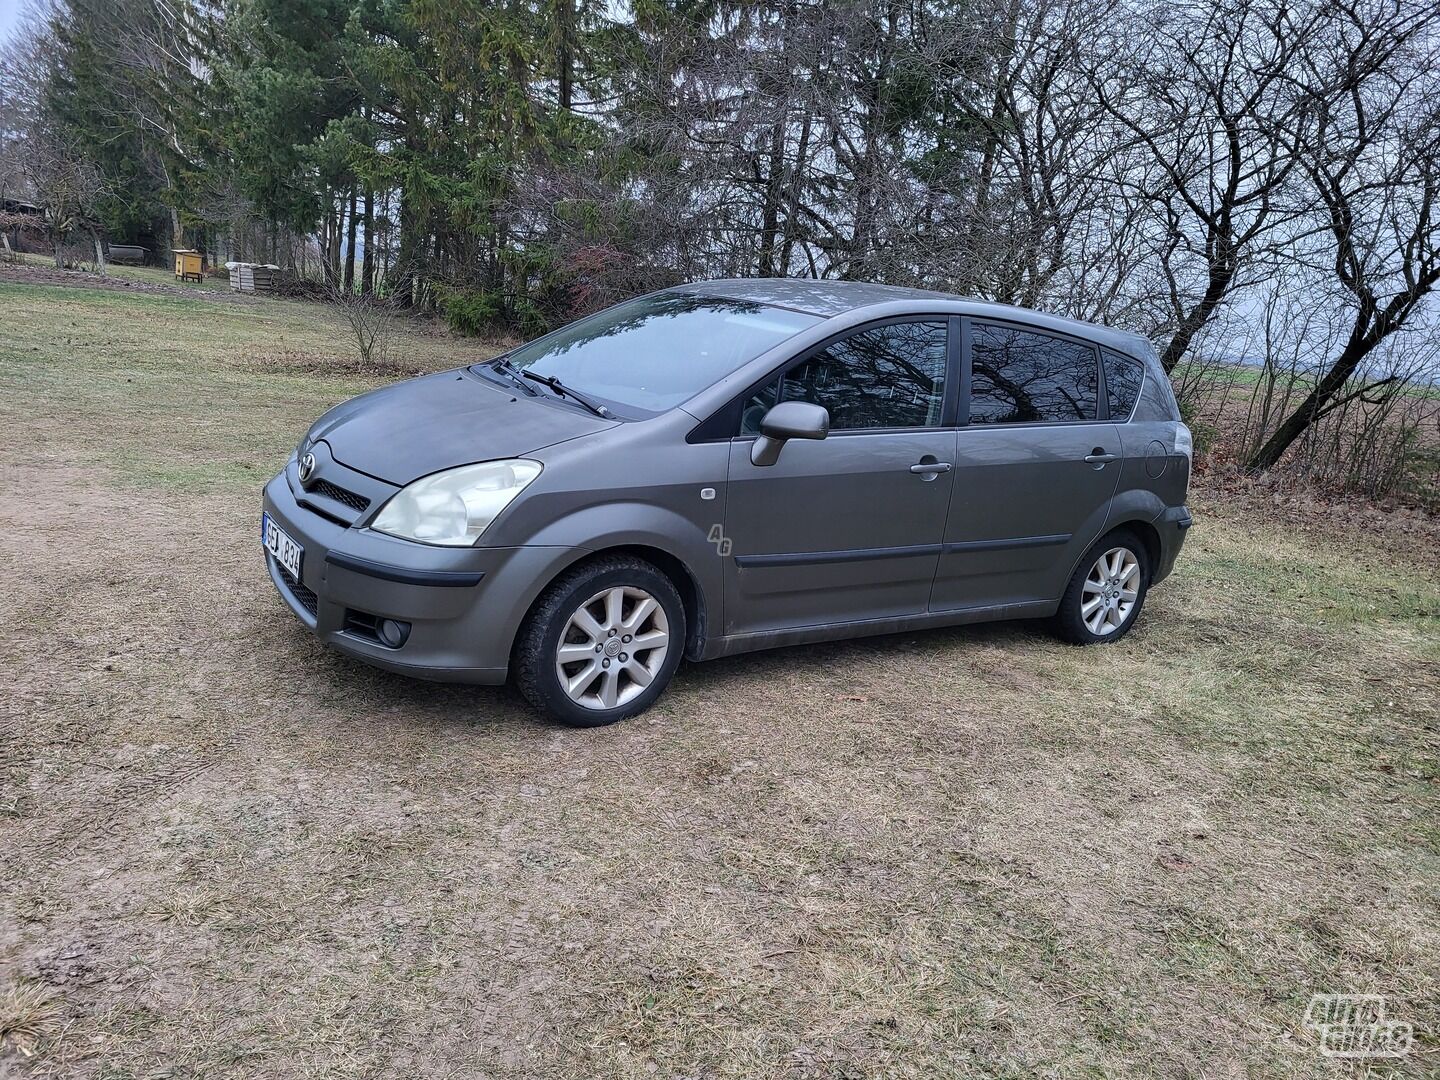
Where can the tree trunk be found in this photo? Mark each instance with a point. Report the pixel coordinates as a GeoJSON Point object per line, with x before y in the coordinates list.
{"type": "Point", "coordinates": [99, 253]}
{"type": "Point", "coordinates": [367, 263]}
{"type": "Point", "coordinates": [1199, 315]}
{"type": "Point", "coordinates": [333, 254]}
{"type": "Point", "coordinates": [1295, 424]}
{"type": "Point", "coordinates": [565, 54]}
{"type": "Point", "coordinates": [874, 92]}
{"type": "Point", "coordinates": [408, 257]}
{"type": "Point", "coordinates": [770, 216]}
{"type": "Point", "coordinates": [1373, 324]}
{"type": "Point", "coordinates": [795, 193]}
{"type": "Point", "coordinates": [350, 244]}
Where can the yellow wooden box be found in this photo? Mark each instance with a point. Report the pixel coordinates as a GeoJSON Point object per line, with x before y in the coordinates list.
{"type": "Point", "coordinates": [189, 265]}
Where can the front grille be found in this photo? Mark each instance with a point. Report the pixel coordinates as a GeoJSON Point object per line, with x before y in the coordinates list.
{"type": "Point", "coordinates": [358, 503]}
{"type": "Point", "coordinates": [308, 600]}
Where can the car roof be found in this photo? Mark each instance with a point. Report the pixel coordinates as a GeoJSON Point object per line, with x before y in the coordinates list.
{"type": "Point", "coordinates": [831, 298]}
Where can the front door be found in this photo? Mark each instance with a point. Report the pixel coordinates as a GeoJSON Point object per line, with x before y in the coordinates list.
{"type": "Point", "coordinates": [1034, 469]}
{"type": "Point", "coordinates": [846, 528]}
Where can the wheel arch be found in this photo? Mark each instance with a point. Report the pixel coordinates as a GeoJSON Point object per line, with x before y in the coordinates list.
{"type": "Point", "coordinates": [692, 595]}
{"type": "Point", "coordinates": [1147, 534]}
{"type": "Point", "coordinates": [676, 544]}
{"type": "Point", "coordinates": [685, 582]}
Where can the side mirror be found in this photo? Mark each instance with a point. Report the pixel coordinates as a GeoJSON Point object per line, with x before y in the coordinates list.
{"type": "Point", "coordinates": [785, 421]}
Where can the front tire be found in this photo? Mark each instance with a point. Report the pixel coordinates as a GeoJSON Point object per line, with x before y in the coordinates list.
{"type": "Point", "coordinates": [601, 643]}
{"type": "Point", "coordinates": [1104, 598]}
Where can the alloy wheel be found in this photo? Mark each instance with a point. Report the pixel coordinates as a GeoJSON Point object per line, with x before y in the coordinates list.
{"type": "Point", "coordinates": [1111, 588]}
{"type": "Point", "coordinates": [612, 647]}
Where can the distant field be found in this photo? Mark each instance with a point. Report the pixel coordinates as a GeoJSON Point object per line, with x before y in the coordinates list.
{"type": "Point", "coordinates": [1223, 402]}
{"type": "Point", "coordinates": [1248, 374]}
{"type": "Point", "coordinates": [225, 852]}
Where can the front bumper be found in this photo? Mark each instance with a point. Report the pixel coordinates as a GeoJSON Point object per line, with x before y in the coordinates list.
{"type": "Point", "coordinates": [464, 605]}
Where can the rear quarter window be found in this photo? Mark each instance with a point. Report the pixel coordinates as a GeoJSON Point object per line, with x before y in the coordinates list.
{"type": "Point", "coordinates": [1157, 402]}
{"type": "Point", "coordinates": [1123, 379]}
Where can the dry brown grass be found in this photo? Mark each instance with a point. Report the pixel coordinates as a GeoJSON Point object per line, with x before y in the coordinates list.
{"type": "Point", "coordinates": [973, 852]}
{"type": "Point", "coordinates": [28, 1014]}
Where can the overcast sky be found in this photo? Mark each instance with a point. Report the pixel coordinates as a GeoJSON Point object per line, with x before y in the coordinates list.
{"type": "Point", "coordinates": [9, 16]}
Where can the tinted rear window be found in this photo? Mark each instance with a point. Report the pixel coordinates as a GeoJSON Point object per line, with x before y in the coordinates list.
{"type": "Point", "coordinates": [655, 352]}
{"type": "Point", "coordinates": [1026, 377]}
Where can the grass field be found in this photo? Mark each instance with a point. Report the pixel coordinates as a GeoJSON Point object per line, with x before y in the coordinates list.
{"type": "Point", "coordinates": [130, 274]}
{"type": "Point", "coordinates": [225, 852]}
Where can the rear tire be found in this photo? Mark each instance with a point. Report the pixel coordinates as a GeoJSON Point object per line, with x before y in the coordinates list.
{"type": "Point", "coordinates": [1105, 596]}
{"type": "Point", "coordinates": [601, 643]}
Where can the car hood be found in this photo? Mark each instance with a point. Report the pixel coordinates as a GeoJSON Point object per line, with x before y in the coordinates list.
{"type": "Point", "coordinates": [403, 432]}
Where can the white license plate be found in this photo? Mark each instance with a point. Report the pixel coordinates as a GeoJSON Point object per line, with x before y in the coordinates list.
{"type": "Point", "coordinates": [286, 551]}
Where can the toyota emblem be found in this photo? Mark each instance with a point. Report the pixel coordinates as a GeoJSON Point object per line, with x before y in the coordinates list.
{"type": "Point", "coordinates": [307, 468]}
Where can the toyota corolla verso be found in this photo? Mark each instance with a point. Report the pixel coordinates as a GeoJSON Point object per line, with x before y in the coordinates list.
{"type": "Point", "coordinates": [730, 466]}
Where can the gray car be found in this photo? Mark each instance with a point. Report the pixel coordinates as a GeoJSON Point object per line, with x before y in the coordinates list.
{"type": "Point", "coordinates": [730, 466]}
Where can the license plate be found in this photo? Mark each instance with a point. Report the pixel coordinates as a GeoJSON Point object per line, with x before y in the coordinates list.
{"type": "Point", "coordinates": [284, 550]}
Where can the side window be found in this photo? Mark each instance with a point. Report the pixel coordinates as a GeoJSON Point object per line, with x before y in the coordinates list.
{"type": "Point", "coordinates": [1023, 376]}
{"type": "Point", "coordinates": [886, 376]}
{"type": "Point", "coordinates": [1123, 377]}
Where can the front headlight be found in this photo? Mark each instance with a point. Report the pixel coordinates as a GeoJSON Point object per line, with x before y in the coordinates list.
{"type": "Point", "coordinates": [455, 506]}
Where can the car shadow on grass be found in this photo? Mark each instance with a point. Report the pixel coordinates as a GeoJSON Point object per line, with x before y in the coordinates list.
{"type": "Point", "coordinates": [345, 682]}
{"type": "Point", "coordinates": [856, 655]}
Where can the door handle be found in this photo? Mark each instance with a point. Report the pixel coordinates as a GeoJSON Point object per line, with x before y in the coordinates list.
{"type": "Point", "coordinates": [1098, 456]}
{"type": "Point", "coordinates": [931, 467]}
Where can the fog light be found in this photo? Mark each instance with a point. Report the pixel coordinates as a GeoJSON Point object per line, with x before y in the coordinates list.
{"type": "Point", "coordinates": [393, 633]}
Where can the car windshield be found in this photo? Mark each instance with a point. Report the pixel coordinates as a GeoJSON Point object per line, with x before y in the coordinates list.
{"type": "Point", "coordinates": [655, 352]}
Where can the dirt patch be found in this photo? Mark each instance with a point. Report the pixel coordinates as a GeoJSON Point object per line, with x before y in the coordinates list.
{"type": "Point", "coordinates": [296, 362]}
{"type": "Point", "coordinates": [227, 852]}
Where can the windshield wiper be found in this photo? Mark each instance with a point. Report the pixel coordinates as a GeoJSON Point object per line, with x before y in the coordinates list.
{"type": "Point", "coordinates": [504, 366]}
{"type": "Point", "coordinates": [564, 391]}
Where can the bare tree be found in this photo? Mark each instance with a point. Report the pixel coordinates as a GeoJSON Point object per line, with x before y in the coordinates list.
{"type": "Point", "coordinates": [1023, 202]}
{"type": "Point", "coordinates": [35, 144]}
{"type": "Point", "coordinates": [370, 317]}
{"type": "Point", "coordinates": [1370, 156]}
{"type": "Point", "coordinates": [68, 187]}
{"type": "Point", "coordinates": [23, 70]}
{"type": "Point", "coordinates": [1199, 110]}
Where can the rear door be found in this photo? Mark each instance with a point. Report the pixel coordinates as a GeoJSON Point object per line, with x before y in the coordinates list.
{"type": "Point", "coordinates": [849, 527]}
{"type": "Point", "coordinates": [1036, 466]}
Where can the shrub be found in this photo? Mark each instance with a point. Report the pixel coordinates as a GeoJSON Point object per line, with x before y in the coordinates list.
{"type": "Point", "coordinates": [470, 312]}
{"type": "Point", "coordinates": [1203, 433]}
